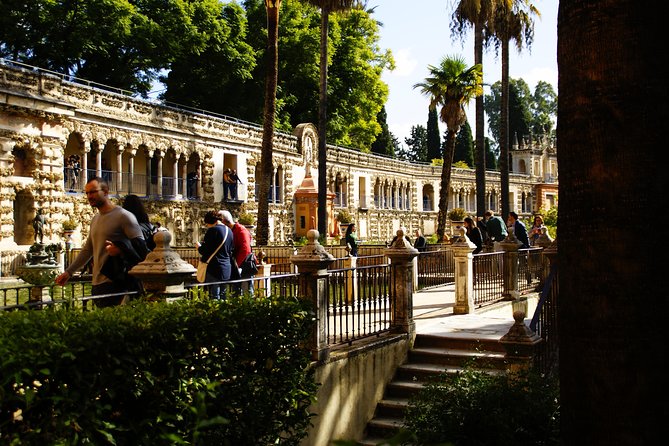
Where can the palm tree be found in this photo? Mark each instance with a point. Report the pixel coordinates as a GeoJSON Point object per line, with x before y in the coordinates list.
{"type": "Point", "coordinates": [451, 85]}
{"type": "Point", "coordinates": [609, 135]}
{"type": "Point", "coordinates": [327, 6]}
{"type": "Point", "coordinates": [476, 13]}
{"type": "Point", "coordinates": [269, 112]}
{"type": "Point", "coordinates": [513, 21]}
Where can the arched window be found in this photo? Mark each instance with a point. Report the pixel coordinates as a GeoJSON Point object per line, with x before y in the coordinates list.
{"type": "Point", "coordinates": [428, 198]}
{"type": "Point", "coordinates": [276, 186]}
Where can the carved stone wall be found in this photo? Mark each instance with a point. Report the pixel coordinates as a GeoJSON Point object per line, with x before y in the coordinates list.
{"type": "Point", "coordinates": [44, 118]}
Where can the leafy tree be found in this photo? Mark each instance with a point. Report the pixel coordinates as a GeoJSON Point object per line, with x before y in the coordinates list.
{"type": "Point", "coordinates": [297, 89]}
{"type": "Point", "coordinates": [358, 93]}
{"type": "Point", "coordinates": [433, 138]}
{"type": "Point", "coordinates": [216, 77]}
{"type": "Point", "coordinates": [119, 43]}
{"type": "Point", "coordinates": [524, 111]}
{"type": "Point", "coordinates": [464, 146]}
{"type": "Point", "coordinates": [384, 144]}
{"type": "Point", "coordinates": [417, 144]}
{"type": "Point", "coordinates": [543, 108]}
{"type": "Point", "coordinates": [490, 155]}
{"type": "Point", "coordinates": [451, 85]}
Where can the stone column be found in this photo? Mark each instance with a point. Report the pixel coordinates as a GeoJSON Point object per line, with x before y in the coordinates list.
{"type": "Point", "coordinates": [84, 164]}
{"type": "Point", "coordinates": [464, 273]}
{"type": "Point", "coordinates": [159, 173]}
{"type": "Point", "coordinates": [175, 184]}
{"type": "Point", "coordinates": [119, 166]}
{"type": "Point", "coordinates": [510, 246]}
{"type": "Point", "coordinates": [98, 161]}
{"type": "Point", "coordinates": [544, 241]}
{"type": "Point", "coordinates": [131, 171]}
{"type": "Point", "coordinates": [262, 282]}
{"type": "Point", "coordinates": [312, 262]}
{"type": "Point", "coordinates": [184, 177]}
{"type": "Point", "coordinates": [199, 181]}
{"type": "Point", "coordinates": [351, 279]}
{"type": "Point", "coordinates": [401, 255]}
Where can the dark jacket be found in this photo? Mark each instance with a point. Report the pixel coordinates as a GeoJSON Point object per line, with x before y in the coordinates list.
{"type": "Point", "coordinates": [476, 238]}
{"type": "Point", "coordinates": [219, 267]}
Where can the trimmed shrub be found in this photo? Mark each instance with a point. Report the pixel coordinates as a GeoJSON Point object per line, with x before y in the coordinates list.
{"type": "Point", "coordinates": [193, 372]}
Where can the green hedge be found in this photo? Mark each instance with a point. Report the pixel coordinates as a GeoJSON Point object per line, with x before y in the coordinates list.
{"type": "Point", "coordinates": [475, 407]}
{"type": "Point", "coordinates": [193, 372]}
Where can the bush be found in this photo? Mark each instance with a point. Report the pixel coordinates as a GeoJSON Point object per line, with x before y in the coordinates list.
{"type": "Point", "coordinates": [477, 408]}
{"type": "Point", "coordinates": [193, 372]}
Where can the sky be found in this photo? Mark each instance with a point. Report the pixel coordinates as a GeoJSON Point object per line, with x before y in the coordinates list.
{"type": "Point", "coordinates": [418, 34]}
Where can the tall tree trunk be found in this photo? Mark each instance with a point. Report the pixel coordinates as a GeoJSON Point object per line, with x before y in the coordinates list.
{"type": "Point", "coordinates": [479, 153]}
{"type": "Point", "coordinates": [322, 128]}
{"type": "Point", "coordinates": [271, 79]}
{"type": "Point", "coordinates": [504, 130]}
{"type": "Point", "coordinates": [445, 183]}
{"type": "Point", "coordinates": [611, 134]}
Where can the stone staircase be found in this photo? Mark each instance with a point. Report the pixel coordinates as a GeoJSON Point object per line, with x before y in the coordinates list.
{"type": "Point", "coordinates": [430, 356]}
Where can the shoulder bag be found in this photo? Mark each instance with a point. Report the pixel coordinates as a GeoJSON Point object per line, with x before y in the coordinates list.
{"type": "Point", "coordinates": [202, 265]}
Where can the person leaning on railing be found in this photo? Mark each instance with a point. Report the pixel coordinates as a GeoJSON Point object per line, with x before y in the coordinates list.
{"type": "Point", "coordinates": [474, 234]}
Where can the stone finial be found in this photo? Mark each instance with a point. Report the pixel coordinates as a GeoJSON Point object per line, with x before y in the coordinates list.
{"type": "Point", "coordinates": [313, 249]}
{"type": "Point", "coordinates": [511, 238]}
{"type": "Point", "coordinates": [262, 255]}
{"type": "Point", "coordinates": [400, 240]}
{"type": "Point", "coordinates": [462, 241]}
{"type": "Point", "coordinates": [163, 269]}
{"type": "Point", "coordinates": [520, 339]}
{"type": "Point", "coordinates": [544, 240]}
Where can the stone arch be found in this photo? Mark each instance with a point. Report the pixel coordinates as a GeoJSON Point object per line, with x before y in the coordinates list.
{"type": "Point", "coordinates": [23, 213]}
{"type": "Point", "coordinates": [428, 197]}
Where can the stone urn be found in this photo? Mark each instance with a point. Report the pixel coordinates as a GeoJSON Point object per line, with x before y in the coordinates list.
{"type": "Point", "coordinates": [40, 270]}
{"type": "Point", "coordinates": [163, 271]}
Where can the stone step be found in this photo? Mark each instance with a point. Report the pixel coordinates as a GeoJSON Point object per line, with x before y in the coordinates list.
{"type": "Point", "coordinates": [457, 357]}
{"type": "Point", "coordinates": [430, 357]}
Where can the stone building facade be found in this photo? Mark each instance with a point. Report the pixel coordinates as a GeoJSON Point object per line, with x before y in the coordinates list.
{"type": "Point", "coordinates": [55, 134]}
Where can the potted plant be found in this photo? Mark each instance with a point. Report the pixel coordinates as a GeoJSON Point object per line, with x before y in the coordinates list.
{"type": "Point", "coordinates": [457, 217]}
{"type": "Point", "coordinates": [69, 226]}
{"type": "Point", "coordinates": [246, 219]}
{"type": "Point", "coordinates": [344, 218]}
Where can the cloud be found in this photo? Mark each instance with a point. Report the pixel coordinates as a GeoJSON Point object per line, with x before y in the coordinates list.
{"type": "Point", "coordinates": [405, 64]}
{"type": "Point", "coordinates": [541, 74]}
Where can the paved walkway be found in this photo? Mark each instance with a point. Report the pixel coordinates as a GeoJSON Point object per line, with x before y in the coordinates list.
{"type": "Point", "coordinates": [433, 314]}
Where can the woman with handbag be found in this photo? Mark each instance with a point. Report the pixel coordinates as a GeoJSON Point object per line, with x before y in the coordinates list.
{"type": "Point", "coordinates": [216, 250]}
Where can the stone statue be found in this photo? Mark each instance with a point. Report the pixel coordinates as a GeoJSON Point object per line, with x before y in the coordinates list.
{"type": "Point", "coordinates": [38, 225]}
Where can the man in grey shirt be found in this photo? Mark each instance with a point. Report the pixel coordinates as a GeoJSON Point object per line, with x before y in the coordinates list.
{"type": "Point", "coordinates": [114, 232]}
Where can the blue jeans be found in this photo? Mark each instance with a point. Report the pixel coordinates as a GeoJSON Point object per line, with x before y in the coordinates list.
{"type": "Point", "coordinates": [216, 290]}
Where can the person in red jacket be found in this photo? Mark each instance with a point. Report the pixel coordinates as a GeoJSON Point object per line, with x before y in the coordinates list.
{"type": "Point", "coordinates": [241, 248]}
